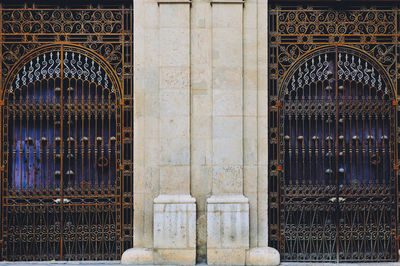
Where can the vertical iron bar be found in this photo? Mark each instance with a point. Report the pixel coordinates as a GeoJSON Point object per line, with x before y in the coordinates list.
{"type": "Point", "coordinates": [337, 208]}
{"type": "Point", "coordinates": [61, 153]}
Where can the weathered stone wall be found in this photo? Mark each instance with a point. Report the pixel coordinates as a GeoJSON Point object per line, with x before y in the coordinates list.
{"type": "Point", "coordinates": [200, 122]}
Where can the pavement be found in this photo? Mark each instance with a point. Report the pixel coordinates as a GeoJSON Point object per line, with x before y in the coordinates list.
{"type": "Point", "coordinates": [340, 264]}
{"type": "Point", "coordinates": [105, 263]}
{"type": "Point", "coordinates": [55, 263]}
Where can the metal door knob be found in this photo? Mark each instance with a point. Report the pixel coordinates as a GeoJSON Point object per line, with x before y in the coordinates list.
{"type": "Point", "coordinates": [333, 199]}
{"type": "Point", "coordinates": [64, 200]}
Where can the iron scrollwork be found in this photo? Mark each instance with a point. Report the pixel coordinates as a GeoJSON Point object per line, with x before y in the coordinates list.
{"type": "Point", "coordinates": [67, 132]}
{"type": "Point", "coordinates": [333, 134]}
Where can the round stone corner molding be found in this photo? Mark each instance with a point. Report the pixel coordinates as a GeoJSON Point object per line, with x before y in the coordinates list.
{"type": "Point", "coordinates": [263, 256]}
{"type": "Point", "coordinates": [140, 256]}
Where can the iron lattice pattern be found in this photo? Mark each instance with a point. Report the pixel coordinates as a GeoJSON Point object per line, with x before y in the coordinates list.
{"type": "Point", "coordinates": [333, 189]}
{"type": "Point", "coordinates": [67, 132]}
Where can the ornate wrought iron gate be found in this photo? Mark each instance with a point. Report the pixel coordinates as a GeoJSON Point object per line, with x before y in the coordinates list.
{"type": "Point", "coordinates": [333, 162]}
{"type": "Point", "coordinates": [66, 133]}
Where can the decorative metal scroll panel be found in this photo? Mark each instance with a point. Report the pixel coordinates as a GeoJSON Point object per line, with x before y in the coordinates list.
{"type": "Point", "coordinates": [67, 134]}
{"type": "Point", "coordinates": [332, 144]}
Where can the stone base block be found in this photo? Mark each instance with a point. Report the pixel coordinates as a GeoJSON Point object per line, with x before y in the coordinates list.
{"type": "Point", "coordinates": [226, 256]}
{"type": "Point", "coordinates": [175, 256]}
{"type": "Point", "coordinates": [137, 256]}
{"type": "Point", "coordinates": [262, 256]}
{"type": "Point", "coordinates": [174, 229]}
{"type": "Point", "coordinates": [227, 229]}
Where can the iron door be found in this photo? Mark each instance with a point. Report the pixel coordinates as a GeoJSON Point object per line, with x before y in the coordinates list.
{"type": "Point", "coordinates": [365, 154]}
{"type": "Point", "coordinates": [309, 189]}
{"type": "Point", "coordinates": [63, 197]}
{"type": "Point", "coordinates": [337, 199]}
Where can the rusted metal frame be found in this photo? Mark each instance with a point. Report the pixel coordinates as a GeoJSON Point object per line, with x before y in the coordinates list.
{"type": "Point", "coordinates": [62, 150]}
{"type": "Point", "coordinates": [76, 138]}
{"type": "Point", "coordinates": [82, 139]}
{"type": "Point", "coordinates": [95, 141]}
{"type": "Point", "coordinates": [357, 156]}
{"type": "Point", "coordinates": [336, 153]}
{"type": "Point", "coordinates": [3, 136]}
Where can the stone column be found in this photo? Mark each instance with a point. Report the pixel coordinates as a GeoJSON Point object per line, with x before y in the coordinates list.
{"type": "Point", "coordinates": [227, 208]}
{"type": "Point", "coordinates": [174, 209]}
{"type": "Point", "coordinates": [256, 131]}
{"type": "Point", "coordinates": [174, 225]}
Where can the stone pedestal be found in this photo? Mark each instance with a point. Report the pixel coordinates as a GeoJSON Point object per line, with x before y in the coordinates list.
{"type": "Point", "coordinates": [227, 229]}
{"type": "Point", "coordinates": [174, 230]}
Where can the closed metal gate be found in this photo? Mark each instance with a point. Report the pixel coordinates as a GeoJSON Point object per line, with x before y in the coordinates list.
{"type": "Point", "coordinates": [337, 200]}
{"type": "Point", "coordinates": [333, 96]}
{"type": "Point", "coordinates": [66, 134]}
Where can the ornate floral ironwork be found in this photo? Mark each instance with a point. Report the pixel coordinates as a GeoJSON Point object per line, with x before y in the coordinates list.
{"type": "Point", "coordinates": [62, 21]}
{"type": "Point", "coordinates": [67, 133]}
{"type": "Point", "coordinates": [333, 135]}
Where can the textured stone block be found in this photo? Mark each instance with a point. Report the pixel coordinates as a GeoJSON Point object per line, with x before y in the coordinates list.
{"type": "Point", "coordinates": [137, 256]}
{"type": "Point", "coordinates": [174, 229]}
{"type": "Point", "coordinates": [227, 229]}
{"type": "Point", "coordinates": [262, 256]}
{"type": "Point", "coordinates": [216, 256]}
{"type": "Point", "coordinates": [175, 256]}
{"type": "Point", "coordinates": [174, 222]}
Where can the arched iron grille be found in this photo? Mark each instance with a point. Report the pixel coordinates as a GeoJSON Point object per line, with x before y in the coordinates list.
{"type": "Point", "coordinates": [62, 129]}
{"type": "Point", "coordinates": [66, 130]}
{"type": "Point", "coordinates": [337, 194]}
{"type": "Point", "coordinates": [63, 188]}
{"type": "Point", "coordinates": [333, 137]}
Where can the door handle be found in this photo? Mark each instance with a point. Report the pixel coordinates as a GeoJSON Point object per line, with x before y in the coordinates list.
{"type": "Point", "coordinates": [64, 200]}
{"type": "Point", "coordinates": [333, 199]}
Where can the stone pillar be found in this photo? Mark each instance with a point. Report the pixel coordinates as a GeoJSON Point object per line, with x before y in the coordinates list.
{"type": "Point", "coordinates": [174, 209]}
{"type": "Point", "coordinates": [174, 225]}
{"type": "Point", "coordinates": [227, 208]}
{"type": "Point", "coordinates": [256, 131]}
